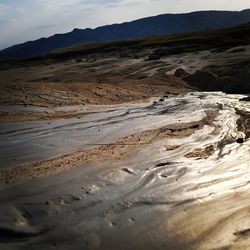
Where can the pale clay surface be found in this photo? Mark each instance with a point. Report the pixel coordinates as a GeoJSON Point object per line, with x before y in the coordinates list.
{"type": "Point", "coordinates": [163, 200]}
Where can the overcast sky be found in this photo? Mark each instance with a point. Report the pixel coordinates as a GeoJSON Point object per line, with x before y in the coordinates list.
{"type": "Point", "coordinates": [22, 20]}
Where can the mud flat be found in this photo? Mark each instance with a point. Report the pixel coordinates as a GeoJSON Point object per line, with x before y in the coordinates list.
{"type": "Point", "coordinates": [165, 174]}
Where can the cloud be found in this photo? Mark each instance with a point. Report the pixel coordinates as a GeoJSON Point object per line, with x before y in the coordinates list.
{"type": "Point", "coordinates": [126, 2]}
{"type": "Point", "coordinates": [46, 26]}
{"type": "Point", "coordinates": [56, 4]}
{"type": "Point", "coordinates": [32, 19]}
{"type": "Point", "coordinates": [3, 9]}
{"type": "Point", "coordinates": [4, 21]}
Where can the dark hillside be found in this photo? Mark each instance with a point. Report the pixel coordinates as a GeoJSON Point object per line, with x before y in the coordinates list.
{"type": "Point", "coordinates": [152, 26]}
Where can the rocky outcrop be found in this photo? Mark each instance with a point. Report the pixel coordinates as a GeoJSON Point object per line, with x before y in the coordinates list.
{"type": "Point", "coordinates": [236, 80]}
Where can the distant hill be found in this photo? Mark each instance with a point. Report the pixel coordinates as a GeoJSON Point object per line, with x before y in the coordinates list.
{"type": "Point", "coordinates": [151, 26]}
{"type": "Point", "coordinates": [156, 47]}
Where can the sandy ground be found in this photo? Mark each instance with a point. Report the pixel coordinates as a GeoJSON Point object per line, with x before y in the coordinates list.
{"type": "Point", "coordinates": [91, 159]}
{"type": "Point", "coordinates": [105, 79]}
{"type": "Point", "coordinates": [152, 187]}
{"type": "Point", "coordinates": [52, 95]}
{"type": "Point", "coordinates": [118, 150]}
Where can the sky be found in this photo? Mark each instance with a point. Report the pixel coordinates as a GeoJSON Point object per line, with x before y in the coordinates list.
{"type": "Point", "coordinates": [23, 20]}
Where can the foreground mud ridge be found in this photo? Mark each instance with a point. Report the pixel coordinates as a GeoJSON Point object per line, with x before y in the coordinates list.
{"type": "Point", "coordinates": [164, 174]}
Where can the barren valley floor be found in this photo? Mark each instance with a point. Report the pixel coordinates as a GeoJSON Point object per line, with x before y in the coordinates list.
{"type": "Point", "coordinates": [122, 151]}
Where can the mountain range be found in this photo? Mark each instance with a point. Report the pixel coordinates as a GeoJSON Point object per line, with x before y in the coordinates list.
{"type": "Point", "coordinates": [165, 24]}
